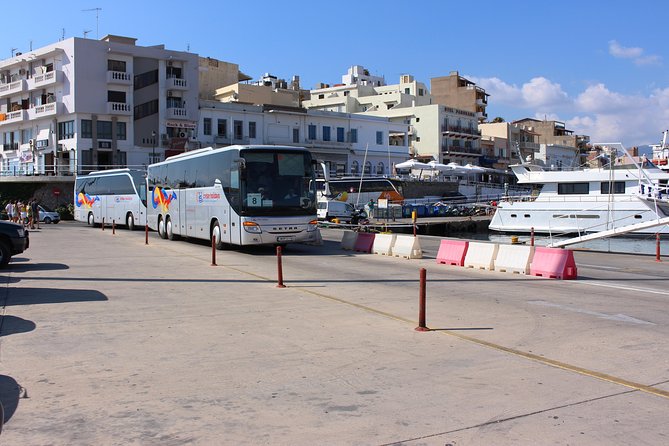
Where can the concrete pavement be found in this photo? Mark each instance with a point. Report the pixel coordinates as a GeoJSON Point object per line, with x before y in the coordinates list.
{"type": "Point", "coordinates": [107, 341]}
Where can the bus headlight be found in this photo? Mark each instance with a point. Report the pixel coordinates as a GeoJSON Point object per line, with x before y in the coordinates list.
{"type": "Point", "coordinates": [312, 226]}
{"type": "Point", "coordinates": [252, 227]}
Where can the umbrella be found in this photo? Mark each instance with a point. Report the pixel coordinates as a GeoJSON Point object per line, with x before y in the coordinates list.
{"type": "Point", "coordinates": [412, 164]}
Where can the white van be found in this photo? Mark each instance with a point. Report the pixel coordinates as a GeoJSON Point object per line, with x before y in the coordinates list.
{"type": "Point", "coordinates": [330, 209]}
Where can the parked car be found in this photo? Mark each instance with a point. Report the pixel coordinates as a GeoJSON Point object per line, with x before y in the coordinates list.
{"type": "Point", "coordinates": [48, 216]}
{"type": "Point", "coordinates": [13, 240]}
{"type": "Point", "coordinates": [330, 209]}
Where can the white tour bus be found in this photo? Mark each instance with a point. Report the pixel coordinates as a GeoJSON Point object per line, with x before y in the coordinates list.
{"type": "Point", "coordinates": [116, 195]}
{"type": "Point", "coordinates": [239, 195]}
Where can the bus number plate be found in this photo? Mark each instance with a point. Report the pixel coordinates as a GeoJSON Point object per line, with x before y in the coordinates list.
{"type": "Point", "coordinates": [285, 238]}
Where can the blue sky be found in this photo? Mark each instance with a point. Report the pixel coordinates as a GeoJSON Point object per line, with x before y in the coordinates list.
{"type": "Point", "coordinates": [599, 66]}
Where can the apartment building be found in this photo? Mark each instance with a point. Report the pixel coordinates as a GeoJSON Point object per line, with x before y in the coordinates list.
{"type": "Point", "coordinates": [349, 144]}
{"type": "Point", "coordinates": [555, 135]}
{"type": "Point", "coordinates": [80, 104]}
{"type": "Point", "coordinates": [461, 93]}
{"type": "Point", "coordinates": [268, 90]}
{"type": "Point", "coordinates": [512, 142]}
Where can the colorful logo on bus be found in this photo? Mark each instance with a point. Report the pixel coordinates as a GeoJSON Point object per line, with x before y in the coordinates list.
{"type": "Point", "coordinates": [86, 200]}
{"type": "Point", "coordinates": [163, 198]}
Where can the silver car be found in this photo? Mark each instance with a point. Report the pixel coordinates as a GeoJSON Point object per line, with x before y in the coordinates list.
{"type": "Point", "coordinates": [48, 216]}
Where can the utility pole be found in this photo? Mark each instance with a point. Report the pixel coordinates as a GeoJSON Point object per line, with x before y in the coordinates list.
{"type": "Point", "coordinates": [97, 20]}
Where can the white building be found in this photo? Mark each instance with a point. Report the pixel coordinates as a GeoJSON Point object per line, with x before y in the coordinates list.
{"type": "Point", "coordinates": [81, 104]}
{"type": "Point", "coordinates": [348, 143]}
{"type": "Point", "coordinates": [444, 133]}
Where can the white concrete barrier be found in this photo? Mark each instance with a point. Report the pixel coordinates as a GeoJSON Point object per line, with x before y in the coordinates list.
{"type": "Point", "coordinates": [481, 255]}
{"type": "Point", "coordinates": [348, 240]}
{"type": "Point", "coordinates": [514, 259]}
{"type": "Point", "coordinates": [383, 244]}
{"type": "Point", "coordinates": [407, 246]}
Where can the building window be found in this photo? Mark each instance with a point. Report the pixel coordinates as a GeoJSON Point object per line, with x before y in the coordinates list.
{"type": "Point", "coordinates": [239, 129]}
{"type": "Point", "coordinates": [121, 131]}
{"type": "Point", "coordinates": [354, 135]}
{"type": "Point", "coordinates": [222, 127]}
{"type": "Point", "coordinates": [321, 96]}
{"type": "Point", "coordinates": [407, 90]}
{"type": "Point", "coordinates": [312, 132]}
{"type": "Point", "coordinates": [380, 168]}
{"type": "Point", "coordinates": [116, 96]}
{"type": "Point", "coordinates": [355, 167]}
{"type": "Point", "coordinates": [86, 128]}
{"type": "Point", "coordinates": [252, 129]}
{"type": "Point", "coordinates": [296, 135]}
{"type": "Point", "coordinates": [368, 167]}
{"type": "Point", "coordinates": [116, 65]}
{"type": "Point", "coordinates": [340, 134]}
{"type": "Point", "coordinates": [346, 93]}
{"type": "Point", "coordinates": [104, 130]}
{"type": "Point", "coordinates": [146, 79]}
{"type": "Point", "coordinates": [65, 130]}
{"type": "Point", "coordinates": [206, 126]}
{"type": "Point", "coordinates": [379, 138]}
{"type": "Point", "coordinates": [420, 92]}
{"type": "Point", "coordinates": [326, 133]}
{"type": "Point", "coordinates": [146, 109]}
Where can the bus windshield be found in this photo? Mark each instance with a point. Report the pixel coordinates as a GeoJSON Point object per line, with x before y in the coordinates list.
{"type": "Point", "coordinates": [276, 183]}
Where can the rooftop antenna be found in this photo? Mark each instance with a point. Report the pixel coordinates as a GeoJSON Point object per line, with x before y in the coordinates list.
{"type": "Point", "coordinates": [86, 33]}
{"type": "Point", "coordinates": [188, 47]}
{"type": "Point", "coordinates": [62, 34]}
{"type": "Point", "coordinates": [31, 45]}
{"type": "Point", "coordinates": [13, 50]}
{"type": "Point", "coordinates": [97, 20]}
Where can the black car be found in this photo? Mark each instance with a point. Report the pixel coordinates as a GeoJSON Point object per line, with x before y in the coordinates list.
{"type": "Point", "coordinates": [13, 240]}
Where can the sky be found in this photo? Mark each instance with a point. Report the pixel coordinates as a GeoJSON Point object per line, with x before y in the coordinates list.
{"type": "Point", "coordinates": [598, 66]}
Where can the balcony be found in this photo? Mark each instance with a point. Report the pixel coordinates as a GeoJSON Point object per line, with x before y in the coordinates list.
{"type": "Point", "coordinates": [174, 83]}
{"type": "Point", "coordinates": [13, 88]}
{"type": "Point", "coordinates": [119, 77]}
{"type": "Point", "coordinates": [466, 131]}
{"type": "Point", "coordinates": [176, 113]}
{"type": "Point", "coordinates": [119, 108]}
{"type": "Point", "coordinates": [40, 111]}
{"type": "Point", "coordinates": [45, 79]}
{"type": "Point", "coordinates": [533, 146]}
{"type": "Point", "coordinates": [15, 116]}
{"type": "Point", "coordinates": [451, 149]}
{"type": "Point", "coordinates": [9, 146]}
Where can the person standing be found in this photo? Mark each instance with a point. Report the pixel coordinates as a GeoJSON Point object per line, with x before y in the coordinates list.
{"type": "Point", "coordinates": [35, 206]}
{"type": "Point", "coordinates": [9, 209]}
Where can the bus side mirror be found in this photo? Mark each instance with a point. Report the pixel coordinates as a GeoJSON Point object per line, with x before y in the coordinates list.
{"type": "Point", "coordinates": [217, 183]}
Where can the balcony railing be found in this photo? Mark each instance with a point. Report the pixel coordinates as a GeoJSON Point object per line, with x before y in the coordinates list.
{"type": "Point", "coordinates": [40, 111]}
{"type": "Point", "coordinates": [119, 108]}
{"type": "Point", "coordinates": [119, 77]}
{"type": "Point", "coordinates": [45, 79]}
{"type": "Point", "coordinates": [9, 146]}
{"type": "Point", "coordinates": [11, 88]}
{"type": "Point", "coordinates": [14, 116]}
{"type": "Point", "coordinates": [460, 129]}
{"type": "Point", "coordinates": [446, 148]}
{"type": "Point", "coordinates": [174, 83]}
{"type": "Point", "coordinates": [530, 146]}
{"type": "Point", "coordinates": [177, 113]}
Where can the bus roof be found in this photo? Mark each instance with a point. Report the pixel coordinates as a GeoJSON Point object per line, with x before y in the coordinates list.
{"type": "Point", "coordinates": [114, 171]}
{"type": "Point", "coordinates": [197, 152]}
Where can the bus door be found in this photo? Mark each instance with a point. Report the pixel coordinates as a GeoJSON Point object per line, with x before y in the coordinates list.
{"type": "Point", "coordinates": [234, 220]}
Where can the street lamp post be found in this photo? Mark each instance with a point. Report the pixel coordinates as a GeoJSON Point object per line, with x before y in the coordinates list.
{"type": "Point", "coordinates": [153, 151]}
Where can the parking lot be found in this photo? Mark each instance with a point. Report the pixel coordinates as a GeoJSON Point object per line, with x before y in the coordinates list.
{"type": "Point", "coordinates": [106, 340]}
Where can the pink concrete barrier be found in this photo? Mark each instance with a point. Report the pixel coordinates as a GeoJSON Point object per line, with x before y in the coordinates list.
{"type": "Point", "coordinates": [364, 242]}
{"type": "Point", "coordinates": [452, 252]}
{"type": "Point", "coordinates": [553, 263]}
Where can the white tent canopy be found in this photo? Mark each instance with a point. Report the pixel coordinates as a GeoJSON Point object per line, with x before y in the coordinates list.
{"type": "Point", "coordinates": [412, 164]}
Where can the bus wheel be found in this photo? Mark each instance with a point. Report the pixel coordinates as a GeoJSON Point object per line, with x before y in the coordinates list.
{"type": "Point", "coordinates": [170, 230]}
{"type": "Point", "coordinates": [130, 222]}
{"type": "Point", "coordinates": [161, 228]}
{"type": "Point", "coordinates": [218, 236]}
{"type": "Point", "coordinates": [91, 219]}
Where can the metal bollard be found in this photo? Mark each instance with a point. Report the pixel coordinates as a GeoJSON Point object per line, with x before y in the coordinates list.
{"type": "Point", "coordinates": [657, 247]}
{"type": "Point", "coordinates": [146, 234]}
{"type": "Point", "coordinates": [414, 214]}
{"type": "Point", "coordinates": [279, 268]}
{"type": "Point", "coordinates": [113, 227]}
{"type": "Point", "coordinates": [421, 302]}
{"type": "Point", "coordinates": [213, 250]}
{"type": "Point", "coordinates": [532, 236]}
{"type": "Point", "coordinates": [103, 223]}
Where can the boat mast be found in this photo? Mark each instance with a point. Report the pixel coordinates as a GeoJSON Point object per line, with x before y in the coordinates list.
{"type": "Point", "coordinates": [364, 163]}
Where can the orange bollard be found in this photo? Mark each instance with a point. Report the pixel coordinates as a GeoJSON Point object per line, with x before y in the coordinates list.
{"type": "Point", "coordinates": [213, 250]}
{"type": "Point", "coordinates": [279, 268]}
{"type": "Point", "coordinates": [414, 214]}
{"type": "Point", "coordinates": [657, 247]}
{"type": "Point", "coordinates": [146, 234]}
{"type": "Point", "coordinates": [532, 236]}
{"type": "Point", "coordinates": [421, 302]}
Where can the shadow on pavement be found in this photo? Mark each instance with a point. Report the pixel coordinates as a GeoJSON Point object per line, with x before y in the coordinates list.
{"type": "Point", "coordinates": [10, 325]}
{"type": "Point", "coordinates": [36, 296]}
{"type": "Point", "coordinates": [25, 267]}
{"type": "Point", "coordinates": [10, 391]}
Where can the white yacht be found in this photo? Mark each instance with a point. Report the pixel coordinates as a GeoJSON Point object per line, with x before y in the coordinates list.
{"type": "Point", "coordinates": [585, 200]}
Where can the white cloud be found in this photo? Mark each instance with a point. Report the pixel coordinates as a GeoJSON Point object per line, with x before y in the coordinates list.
{"type": "Point", "coordinates": [634, 53]}
{"type": "Point", "coordinates": [538, 92]}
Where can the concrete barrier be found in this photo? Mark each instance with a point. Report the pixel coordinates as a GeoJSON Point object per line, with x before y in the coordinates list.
{"type": "Point", "coordinates": [481, 255]}
{"type": "Point", "coordinates": [452, 252]}
{"type": "Point", "coordinates": [383, 244]}
{"type": "Point", "coordinates": [514, 259]}
{"type": "Point", "coordinates": [408, 247]}
{"type": "Point", "coordinates": [348, 240]}
{"type": "Point", "coordinates": [364, 242]}
{"type": "Point", "coordinates": [553, 263]}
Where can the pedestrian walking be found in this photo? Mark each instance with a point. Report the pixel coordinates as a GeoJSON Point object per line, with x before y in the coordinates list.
{"type": "Point", "coordinates": [35, 206]}
{"type": "Point", "coordinates": [9, 209]}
